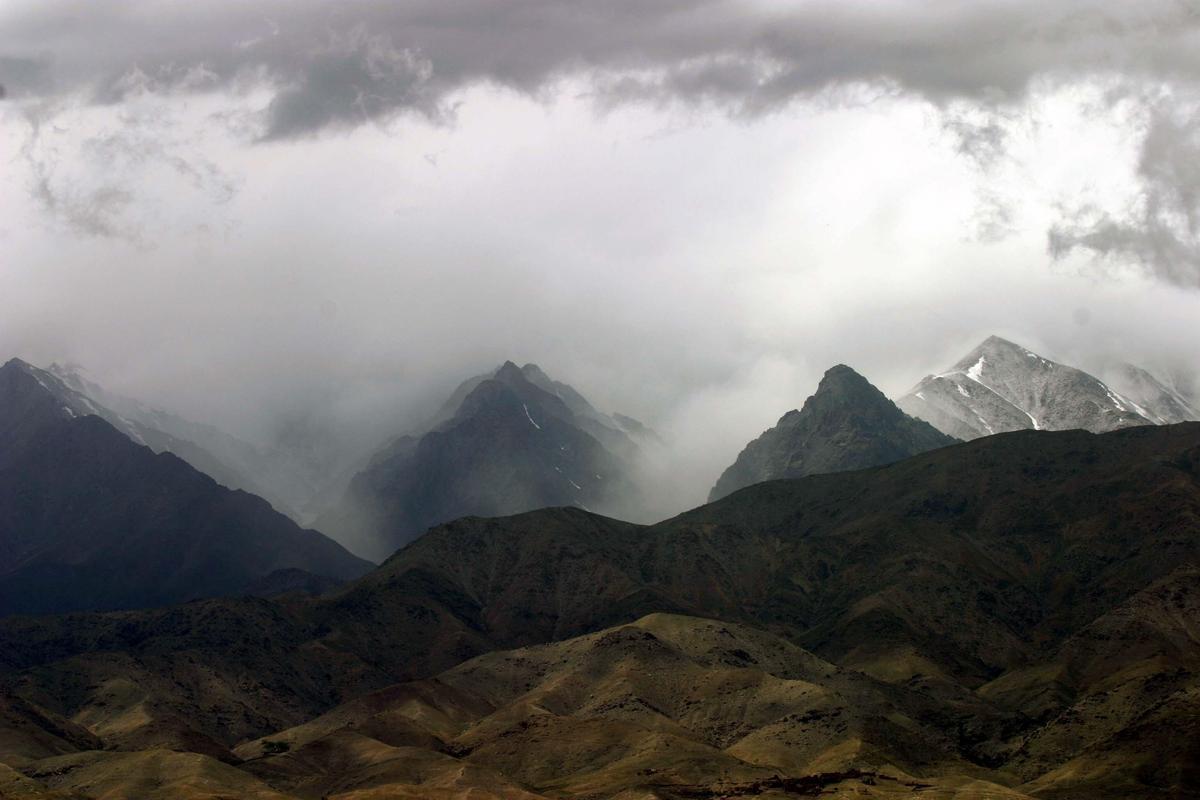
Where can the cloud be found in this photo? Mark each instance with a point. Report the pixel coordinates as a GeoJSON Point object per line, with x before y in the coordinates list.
{"type": "Point", "coordinates": [355, 78]}
{"type": "Point", "coordinates": [291, 71]}
{"type": "Point", "coordinates": [1160, 230]}
{"type": "Point", "coordinates": [688, 208]}
{"type": "Point", "coordinates": [101, 171]}
{"type": "Point", "coordinates": [29, 74]}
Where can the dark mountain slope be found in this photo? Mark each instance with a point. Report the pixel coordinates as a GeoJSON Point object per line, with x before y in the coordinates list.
{"type": "Point", "coordinates": [1129, 678]}
{"type": "Point", "coordinates": [91, 520]}
{"type": "Point", "coordinates": [847, 424]}
{"type": "Point", "coordinates": [305, 461]}
{"type": "Point", "coordinates": [198, 445]}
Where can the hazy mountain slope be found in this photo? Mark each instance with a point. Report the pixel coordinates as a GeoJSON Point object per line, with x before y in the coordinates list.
{"type": "Point", "coordinates": [617, 432]}
{"type": "Point", "coordinates": [1000, 386]}
{"type": "Point", "coordinates": [287, 475]}
{"type": "Point", "coordinates": [1157, 400]}
{"type": "Point", "coordinates": [612, 429]}
{"type": "Point", "coordinates": [847, 424]}
{"type": "Point", "coordinates": [510, 446]}
{"type": "Point", "coordinates": [222, 457]}
{"type": "Point", "coordinates": [91, 519]}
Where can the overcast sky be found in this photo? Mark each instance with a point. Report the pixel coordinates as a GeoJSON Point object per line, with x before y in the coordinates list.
{"type": "Point", "coordinates": [251, 212]}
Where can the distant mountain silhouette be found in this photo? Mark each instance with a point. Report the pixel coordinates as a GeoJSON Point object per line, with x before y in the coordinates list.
{"type": "Point", "coordinates": [507, 442]}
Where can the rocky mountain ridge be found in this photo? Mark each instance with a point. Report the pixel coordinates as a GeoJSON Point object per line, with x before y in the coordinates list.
{"type": "Point", "coordinates": [846, 424]}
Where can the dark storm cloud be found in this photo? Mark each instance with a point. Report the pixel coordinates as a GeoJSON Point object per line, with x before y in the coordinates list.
{"type": "Point", "coordinates": [29, 74]}
{"type": "Point", "coordinates": [339, 65]}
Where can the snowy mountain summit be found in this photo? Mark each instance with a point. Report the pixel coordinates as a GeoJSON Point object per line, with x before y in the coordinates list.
{"type": "Point", "coordinates": [1000, 386]}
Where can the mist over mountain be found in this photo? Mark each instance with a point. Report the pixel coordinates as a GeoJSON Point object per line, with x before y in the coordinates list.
{"type": "Point", "coordinates": [293, 474]}
{"type": "Point", "coordinates": [508, 441]}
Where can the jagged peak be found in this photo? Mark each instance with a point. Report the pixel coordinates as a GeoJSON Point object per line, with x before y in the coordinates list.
{"type": "Point", "coordinates": [17, 363]}
{"type": "Point", "coordinates": [509, 371]}
{"type": "Point", "coordinates": [26, 386]}
{"type": "Point", "coordinates": [996, 345]}
{"type": "Point", "coordinates": [52, 380]}
{"type": "Point", "coordinates": [998, 348]}
{"type": "Point", "coordinates": [1000, 341]}
{"type": "Point", "coordinates": [846, 424]}
{"type": "Point", "coordinates": [510, 386]}
{"type": "Point", "coordinates": [68, 399]}
{"type": "Point", "coordinates": [840, 373]}
{"type": "Point", "coordinates": [841, 384]}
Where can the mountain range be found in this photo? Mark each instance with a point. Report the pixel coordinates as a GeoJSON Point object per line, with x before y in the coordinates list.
{"type": "Point", "coordinates": [93, 518]}
{"type": "Point", "coordinates": [483, 453]}
{"type": "Point", "coordinates": [508, 441]}
{"type": "Point", "coordinates": [1009, 617]}
{"type": "Point", "coordinates": [998, 387]}
{"type": "Point", "coordinates": [869, 607]}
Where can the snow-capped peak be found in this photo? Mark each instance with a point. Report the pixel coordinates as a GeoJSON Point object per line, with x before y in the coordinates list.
{"type": "Point", "coordinates": [1001, 386]}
